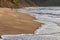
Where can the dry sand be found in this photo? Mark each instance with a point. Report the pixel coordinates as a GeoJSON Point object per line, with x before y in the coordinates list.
{"type": "Point", "coordinates": [12, 22]}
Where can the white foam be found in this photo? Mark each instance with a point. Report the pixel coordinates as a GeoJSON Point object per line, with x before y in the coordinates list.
{"type": "Point", "coordinates": [50, 21]}
{"type": "Point", "coordinates": [31, 37]}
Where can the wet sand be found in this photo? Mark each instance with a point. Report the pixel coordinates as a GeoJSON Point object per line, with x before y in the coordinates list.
{"type": "Point", "coordinates": [12, 22]}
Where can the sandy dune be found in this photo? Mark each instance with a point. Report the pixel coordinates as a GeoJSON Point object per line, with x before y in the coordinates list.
{"type": "Point", "coordinates": [12, 22]}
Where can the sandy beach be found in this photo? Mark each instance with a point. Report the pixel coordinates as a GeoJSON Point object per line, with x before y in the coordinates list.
{"type": "Point", "coordinates": [12, 22]}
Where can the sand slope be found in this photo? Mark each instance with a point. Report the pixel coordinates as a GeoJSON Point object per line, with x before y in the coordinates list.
{"type": "Point", "coordinates": [12, 22]}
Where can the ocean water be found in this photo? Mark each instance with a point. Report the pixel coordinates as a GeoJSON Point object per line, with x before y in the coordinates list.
{"type": "Point", "coordinates": [50, 30]}
{"type": "Point", "coordinates": [50, 16]}
{"type": "Point", "coordinates": [31, 37]}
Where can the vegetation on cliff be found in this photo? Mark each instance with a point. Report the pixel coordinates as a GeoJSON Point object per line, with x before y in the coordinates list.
{"type": "Point", "coordinates": [28, 3]}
